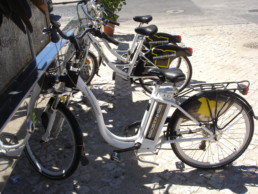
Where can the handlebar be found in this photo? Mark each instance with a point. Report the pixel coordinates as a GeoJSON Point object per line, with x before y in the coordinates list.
{"type": "Point", "coordinates": [99, 20]}
{"type": "Point", "coordinates": [73, 39]}
{"type": "Point", "coordinates": [110, 39]}
{"type": "Point", "coordinates": [96, 9]}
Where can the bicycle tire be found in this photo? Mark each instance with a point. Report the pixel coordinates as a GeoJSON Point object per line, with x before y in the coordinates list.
{"type": "Point", "coordinates": [147, 84]}
{"type": "Point", "coordinates": [232, 137]}
{"type": "Point", "coordinates": [37, 151]}
{"type": "Point", "coordinates": [89, 68]}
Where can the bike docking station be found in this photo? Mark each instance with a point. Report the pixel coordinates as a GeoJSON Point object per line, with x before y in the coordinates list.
{"type": "Point", "coordinates": [22, 67]}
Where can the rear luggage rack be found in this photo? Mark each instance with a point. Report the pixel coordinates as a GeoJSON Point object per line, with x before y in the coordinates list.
{"type": "Point", "coordinates": [241, 86]}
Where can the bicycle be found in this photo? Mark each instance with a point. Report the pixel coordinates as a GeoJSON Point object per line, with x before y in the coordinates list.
{"type": "Point", "coordinates": [88, 64]}
{"type": "Point", "coordinates": [158, 42]}
{"type": "Point", "coordinates": [95, 13]}
{"type": "Point", "coordinates": [55, 146]}
{"type": "Point", "coordinates": [50, 122]}
{"type": "Point", "coordinates": [53, 114]}
{"type": "Point", "coordinates": [210, 129]}
{"type": "Point", "coordinates": [134, 69]}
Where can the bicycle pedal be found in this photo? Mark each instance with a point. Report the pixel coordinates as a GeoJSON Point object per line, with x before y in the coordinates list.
{"type": "Point", "coordinates": [115, 156]}
{"type": "Point", "coordinates": [180, 165]}
{"type": "Point", "coordinates": [84, 160]}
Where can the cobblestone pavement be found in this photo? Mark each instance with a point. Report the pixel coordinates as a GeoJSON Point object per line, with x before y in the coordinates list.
{"type": "Point", "coordinates": [221, 53]}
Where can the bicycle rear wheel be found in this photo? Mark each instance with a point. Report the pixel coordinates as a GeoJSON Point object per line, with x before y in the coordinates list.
{"type": "Point", "coordinates": [58, 157]}
{"type": "Point", "coordinates": [182, 63]}
{"type": "Point", "coordinates": [227, 116]}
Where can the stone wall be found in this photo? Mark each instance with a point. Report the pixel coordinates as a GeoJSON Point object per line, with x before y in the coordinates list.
{"type": "Point", "coordinates": [16, 51]}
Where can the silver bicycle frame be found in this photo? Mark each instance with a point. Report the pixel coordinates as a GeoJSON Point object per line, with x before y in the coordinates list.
{"type": "Point", "coordinates": [152, 115]}
{"type": "Point", "coordinates": [137, 39]}
{"type": "Point", "coordinates": [112, 65]}
{"type": "Point", "coordinates": [113, 51]}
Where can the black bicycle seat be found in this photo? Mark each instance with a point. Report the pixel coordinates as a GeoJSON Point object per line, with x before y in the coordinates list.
{"type": "Point", "coordinates": [147, 31]}
{"type": "Point", "coordinates": [143, 19]}
{"type": "Point", "coordinates": [173, 75]}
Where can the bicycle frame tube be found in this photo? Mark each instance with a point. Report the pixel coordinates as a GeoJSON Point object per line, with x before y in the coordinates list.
{"type": "Point", "coordinates": [117, 55]}
{"type": "Point", "coordinates": [112, 65]}
{"type": "Point", "coordinates": [130, 51]}
{"type": "Point", "coordinates": [134, 42]}
{"type": "Point", "coordinates": [171, 102]}
{"type": "Point", "coordinates": [149, 133]}
{"type": "Point", "coordinates": [155, 120]}
{"type": "Point", "coordinates": [110, 138]}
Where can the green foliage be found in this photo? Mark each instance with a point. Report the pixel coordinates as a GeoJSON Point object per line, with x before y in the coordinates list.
{"type": "Point", "coordinates": [114, 6]}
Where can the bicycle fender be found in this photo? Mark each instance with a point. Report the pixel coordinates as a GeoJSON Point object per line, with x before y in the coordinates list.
{"type": "Point", "coordinates": [247, 104]}
{"type": "Point", "coordinates": [202, 105]}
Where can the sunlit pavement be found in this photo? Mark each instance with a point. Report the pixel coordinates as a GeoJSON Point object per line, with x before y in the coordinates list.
{"type": "Point", "coordinates": [222, 52]}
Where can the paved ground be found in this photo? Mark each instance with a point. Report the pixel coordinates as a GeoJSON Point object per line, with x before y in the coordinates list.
{"type": "Point", "coordinates": [221, 53]}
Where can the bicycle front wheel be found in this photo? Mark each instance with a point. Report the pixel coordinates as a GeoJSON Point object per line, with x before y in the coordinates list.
{"type": "Point", "coordinates": [182, 63]}
{"type": "Point", "coordinates": [226, 116]}
{"type": "Point", "coordinates": [59, 156]}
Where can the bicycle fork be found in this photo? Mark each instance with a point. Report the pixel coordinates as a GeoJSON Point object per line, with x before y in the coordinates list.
{"type": "Point", "coordinates": [49, 121]}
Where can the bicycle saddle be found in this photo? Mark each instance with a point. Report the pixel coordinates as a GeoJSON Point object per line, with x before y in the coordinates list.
{"type": "Point", "coordinates": [147, 31]}
{"type": "Point", "coordinates": [143, 19]}
{"type": "Point", "coordinates": [171, 75]}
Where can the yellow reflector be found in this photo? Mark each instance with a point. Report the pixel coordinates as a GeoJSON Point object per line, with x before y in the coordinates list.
{"type": "Point", "coordinates": [87, 61]}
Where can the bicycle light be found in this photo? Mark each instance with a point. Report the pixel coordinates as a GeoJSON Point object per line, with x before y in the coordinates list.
{"type": "Point", "coordinates": [179, 37]}
{"type": "Point", "coordinates": [190, 50]}
{"type": "Point", "coordinates": [243, 89]}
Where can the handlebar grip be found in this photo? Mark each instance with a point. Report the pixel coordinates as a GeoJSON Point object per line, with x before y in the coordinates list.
{"type": "Point", "coordinates": [110, 39]}
{"type": "Point", "coordinates": [72, 39]}
{"type": "Point", "coordinates": [62, 34]}
{"type": "Point", "coordinates": [56, 26]}
{"type": "Point", "coordinates": [54, 36]}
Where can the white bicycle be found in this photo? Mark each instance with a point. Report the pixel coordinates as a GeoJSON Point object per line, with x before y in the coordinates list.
{"type": "Point", "coordinates": [148, 48]}
{"type": "Point", "coordinates": [209, 130]}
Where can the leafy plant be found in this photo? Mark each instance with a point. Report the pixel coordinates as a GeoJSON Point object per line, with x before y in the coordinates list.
{"type": "Point", "coordinates": [113, 7]}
